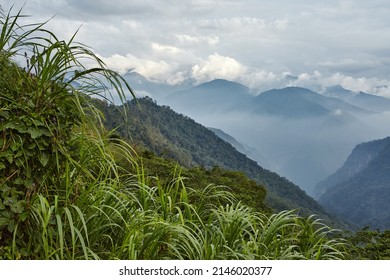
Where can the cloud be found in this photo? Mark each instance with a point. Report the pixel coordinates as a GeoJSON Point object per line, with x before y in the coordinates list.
{"type": "Point", "coordinates": [166, 49]}
{"type": "Point", "coordinates": [218, 66]}
{"type": "Point", "coordinates": [318, 81]}
{"type": "Point", "coordinates": [350, 64]}
{"type": "Point", "coordinates": [244, 25]}
{"type": "Point", "coordinates": [118, 7]}
{"type": "Point", "coordinates": [369, 85]}
{"type": "Point", "coordinates": [189, 40]}
{"type": "Point", "coordinates": [149, 68]}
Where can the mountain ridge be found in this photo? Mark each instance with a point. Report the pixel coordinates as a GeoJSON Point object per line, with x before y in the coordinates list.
{"type": "Point", "coordinates": [371, 102]}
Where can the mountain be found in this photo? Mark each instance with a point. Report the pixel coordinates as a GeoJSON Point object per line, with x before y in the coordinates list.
{"type": "Point", "coordinates": [216, 95]}
{"type": "Point", "coordinates": [356, 162]}
{"type": "Point", "coordinates": [172, 135]}
{"type": "Point", "coordinates": [364, 100]}
{"type": "Point", "coordinates": [360, 190]}
{"type": "Point", "coordinates": [296, 102]}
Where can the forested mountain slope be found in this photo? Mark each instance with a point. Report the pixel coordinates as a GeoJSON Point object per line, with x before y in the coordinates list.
{"type": "Point", "coordinates": [360, 190]}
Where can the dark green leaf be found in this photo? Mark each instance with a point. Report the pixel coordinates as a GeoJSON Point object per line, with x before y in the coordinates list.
{"type": "Point", "coordinates": [3, 222]}
{"type": "Point", "coordinates": [11, 226]}
{"type": "Point", "coordinates": [4, 113]}
{"type": "Point", "coordinates": [23, 216]}
{"type": "Point", "coordinates": [18, 206]}
{"type": "Point", "coordinates": [43, 159]}
{"type": "Point", "coordinates": [34, 132]}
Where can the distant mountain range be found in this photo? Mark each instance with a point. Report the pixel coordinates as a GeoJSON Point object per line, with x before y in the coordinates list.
{"type": "Point", "coordinates": [302, 103]}
{"type": "Point", "coordinates": [368, 101]}
{"type": "Point", "coordinates": [360, 190]}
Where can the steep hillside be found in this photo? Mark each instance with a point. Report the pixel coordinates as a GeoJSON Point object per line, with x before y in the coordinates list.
{"type": "Point", "coordinates": [360, 190]}
{"type": "Point", "coordinates": [357, 161]}
{"type": "Point", "coordinates": [166, 133]}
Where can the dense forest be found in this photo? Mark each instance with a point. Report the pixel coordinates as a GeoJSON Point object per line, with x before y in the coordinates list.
{"type": "Point", "coordinates": [72, 189]}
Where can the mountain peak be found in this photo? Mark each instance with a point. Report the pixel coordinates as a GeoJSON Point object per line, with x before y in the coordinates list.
{"type": "Point", "coordinates": [213, 96]}
{"type": "Point", "coordinates": [223, 84]}
{"type": "Point", "coordinates": [297, 91]}
{"type": "Point", "coordinates": [294, 102]}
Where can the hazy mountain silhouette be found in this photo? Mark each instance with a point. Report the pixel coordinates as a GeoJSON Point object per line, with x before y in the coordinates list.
{"type": "Point", "coordinates": [211, 97]}
{"type": "Point", "coordinates": [364, 100]}
{"type": "Point", "coordinates": [360, 190]}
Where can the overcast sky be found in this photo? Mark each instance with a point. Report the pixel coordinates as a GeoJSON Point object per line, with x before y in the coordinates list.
{"type": "Point", "coordinates": [255, 42]}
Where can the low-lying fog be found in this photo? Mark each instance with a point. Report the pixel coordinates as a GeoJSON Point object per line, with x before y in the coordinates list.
{"type": "Point", "coordinates": [304, 151]}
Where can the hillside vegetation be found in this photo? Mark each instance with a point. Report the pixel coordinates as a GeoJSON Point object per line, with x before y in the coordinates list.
{"type": "Point", "coordinates": [70, 189]}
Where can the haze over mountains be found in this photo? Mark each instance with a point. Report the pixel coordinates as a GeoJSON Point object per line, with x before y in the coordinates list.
{"type": "Point", "coordinates": [301, 134]}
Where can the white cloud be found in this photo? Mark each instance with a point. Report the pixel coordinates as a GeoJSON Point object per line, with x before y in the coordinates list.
{"type": "Point", "coordinates": [166, 50]}
{"type": "Point", "coordinates": [245, 25]}
{"type": "Point", "coordinates": [369, 85]}
{"type": "Point", "coordinates": [197, 40]}
{"type": "Point", "coordinates": [318, 81]}
{"type": "Point", "coordinates": [146, 67]}
{"type": "Point", "coordinates": [261, 80]}
{"type": "Point", "coordinates": [217, 66]}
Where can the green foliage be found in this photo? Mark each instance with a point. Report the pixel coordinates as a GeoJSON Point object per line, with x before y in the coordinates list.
{"type": "Point", "coordinates": [237, 183]}
{"type": "Point", "coordinates": [43, 119]}
{"type": "Point", "coordinates": [369, 244]}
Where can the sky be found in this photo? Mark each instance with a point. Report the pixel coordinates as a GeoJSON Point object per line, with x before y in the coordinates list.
{"type": "Point", "coordinates": [256, 42]}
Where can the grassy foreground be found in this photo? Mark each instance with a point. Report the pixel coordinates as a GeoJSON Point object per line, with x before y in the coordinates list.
{"type": "Point", "coordinates": [66, 189]}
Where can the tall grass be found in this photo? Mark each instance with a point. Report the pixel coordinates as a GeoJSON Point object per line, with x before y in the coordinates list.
{"type": "Point", "coordinates": [76, 196]}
